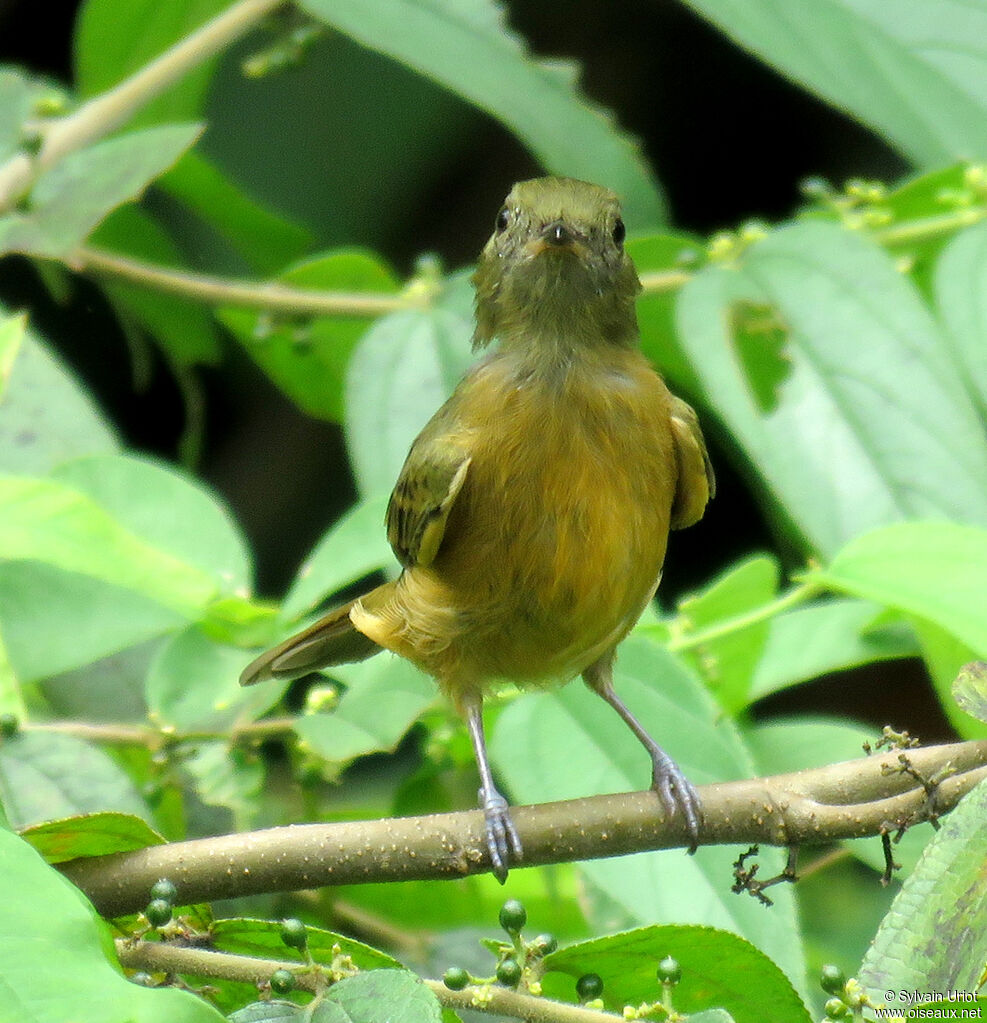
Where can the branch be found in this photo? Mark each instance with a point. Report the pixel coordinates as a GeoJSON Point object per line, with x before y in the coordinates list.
{"type": "Point", "coordinates": [108, 111]}
{"type": "Point", "coordinates": [276, 298]}
{"type": "Point", "coordinates": [158, 957]}
{"type": "Point", "coordinates": [854, 799]}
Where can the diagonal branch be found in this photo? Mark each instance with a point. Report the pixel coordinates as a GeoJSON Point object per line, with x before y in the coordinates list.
{"type": "Point", "coordinates": [853, 799]}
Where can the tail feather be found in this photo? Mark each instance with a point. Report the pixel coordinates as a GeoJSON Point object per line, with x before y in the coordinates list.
{"type": "Point", "coordinates": [333, 639]}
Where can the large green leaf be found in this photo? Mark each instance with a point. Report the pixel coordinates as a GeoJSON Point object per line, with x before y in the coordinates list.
{"type": "Point", "coordinates": [961, 298]}
{"type": "Point", "coordinates": [403, 369]}
{"type": "Point", "coordinates": [933, 938]}
{"type": "Point", "coordinates": [45, 920]}
{"type": "Point", "coordinates": [307, 358]}
{"type": "Point", "coordinates": [44, 775]}
{"type": "Point", "coordinates": [47, 521]}
{"type": "Point", "coordinates": [94, 834]}
{"type": "Point", "coordinates": [935, 570]}
{"type": "Point", "coordinates": [911, 69]}
{"type": "Point", "coordinates": [115, 38]}
{"type": "Point", "coordinates": [872, 422]}
{"type": "Point", "coordinates": [71, 198]}
{"type": "Point", "coordinates": [537, 739]}
{"type": "Point", "coordinates": [45, 416]}
{"type": "Point", "coordinates": [355, 546]}
{"type": "Point", "coordinates": [719, 970]}
{"type": "Point", "coordinates": [466, 46]}
{"type": "Point", "coordinates": [384, 696]}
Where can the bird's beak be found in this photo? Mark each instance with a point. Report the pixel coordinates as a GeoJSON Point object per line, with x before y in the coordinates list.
{"type": "Point", "coordinates": [556, 237]}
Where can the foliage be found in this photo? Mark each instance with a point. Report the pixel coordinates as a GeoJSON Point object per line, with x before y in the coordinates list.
{"type": "Point", "coordinates": [837, 359]}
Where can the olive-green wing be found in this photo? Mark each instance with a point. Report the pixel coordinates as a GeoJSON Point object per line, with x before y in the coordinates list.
{"type": "Point", "coordinates": [696, 483]}
{"type": "Point", "coordinates": [426, 490]}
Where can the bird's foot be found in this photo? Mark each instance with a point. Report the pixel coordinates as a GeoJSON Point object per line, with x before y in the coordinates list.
{"type": "Point", "coordinates": [677, 794]}
{"type": "Point", "coordinates": [503, 842]}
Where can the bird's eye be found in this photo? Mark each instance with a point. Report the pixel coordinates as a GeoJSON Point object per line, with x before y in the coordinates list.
{"type": "Point", "coordinates": [618, 232]}
{"type": "Point", "coordinates": [503, 219]}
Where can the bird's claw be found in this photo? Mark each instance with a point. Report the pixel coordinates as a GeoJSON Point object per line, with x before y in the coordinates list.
{"type": "Point", "coordinates": [678, 794]}
{"type": "Point", "coordinates": [503, 842]}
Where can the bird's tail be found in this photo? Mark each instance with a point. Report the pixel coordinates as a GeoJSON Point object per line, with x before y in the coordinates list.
{"type": "Point", "coordinates": [333, 639]}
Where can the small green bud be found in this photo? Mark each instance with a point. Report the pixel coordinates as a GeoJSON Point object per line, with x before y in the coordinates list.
{"type": "Point", "coordinates": [281, 981]}
{"type": "Point", "coordinates": [158, 912]}
{"type": "Point", "coordinates": [455, 978]}
{"type": "Point", "coordinates": [836, 1008]}
{"type": "Point", "coordinates": [669, 971]}
{"type": "Point", "coordinates": [544, 944]}
{"type": "Point", "coordinates": [293, 933]}
{"type": "Point", "coordinates": [164, 890]}
{"type": "Point", "coordinates": [509, 972]}
{"type": "Point", "coordinates": [589, 986]}
{"type": "Point", "coordinates": [832, 979]}
{"type": "Point", "coordinates": [513, 916]}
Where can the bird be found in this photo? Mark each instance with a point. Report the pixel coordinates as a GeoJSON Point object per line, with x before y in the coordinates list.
{"type": "Point", "coordinates": [532, 514]}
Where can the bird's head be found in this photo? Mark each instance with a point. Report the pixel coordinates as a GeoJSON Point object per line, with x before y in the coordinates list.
{"type": "Point", "coordinates": [555, 266]}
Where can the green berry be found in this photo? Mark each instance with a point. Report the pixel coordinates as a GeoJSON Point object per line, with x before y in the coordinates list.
{"type": "Point", "coordinates": [669, 971]}
{"type": "Point", "coordinates": [164, 890]}
{"type": "Point", "coordinates": [293, 933]}
{"type": "Point", "coordinates": [513, 916]}
{"type": "Point", "coordinates": [589, 986]}
{"type": "Point", "coordinates": [832, 979]}
{"type": "Point", "coordinates": [8, 725]}
{"type": "Point", "coordinates": [455, 978]}
{"type": "Point", "coordinates": [544, 944]}
{"type": "Point", "coordinates": [281, 981]}
{"type": "Point", "coordinates": [158, 912]}
{"type": "Point", "coordinates": [836, 1008]}
{"type": "Point", "coordinates": [509, 972]}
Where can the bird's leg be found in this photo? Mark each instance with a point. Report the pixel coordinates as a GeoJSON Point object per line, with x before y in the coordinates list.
{"type": "Point", "coordinates": [674, 789]}
{"type": "Point", "coordinates": [503, 843]}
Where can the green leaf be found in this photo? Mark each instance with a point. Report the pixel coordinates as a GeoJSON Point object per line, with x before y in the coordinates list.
{"type": "Point", "coordinates": [265, 240]}
{"type": "Point", "coordinates": [970, 689]}
{"type": "Point", "coordinates": [664, 255]}
{"type": "Point", "coordinates": [17, 98]}
{"type": "Point", "coordinates": [227, 778]}
{"type": "Point", "coordinates": [385, 996]}
{"type": "Point", "coordinates": [44, 775]}
{"type": "Point", "coordinates": [404, 368]}
{"type": "Point", "coordinates": [45, 415]}
{"type": "Point", "coordinates": [824, 637]}
{"type": "Point", "coordinates": [960, 284]}
{"type": "Point", "coordinates": [115, 38]}
{"type": "Point", "coordinates": [385, 695]}
{"type": "Point", "coordinates": [719, 971]}
{"type": "Point", "coordinates": [945, 655]}
{"type": "Point", "coordinates": [466, 46]}
{"type": "Point", "coordinates": [44, 520]}
{"type": "Point", "coordinates": [934, 570]}
{"type": "Point", "coordinates": [872, 423]}
{"type": "Point", "coordinates": [910, 70]}
{"type": "Point", "coordinates": [354, 547]}
{"type": "Point", "coordinates": [45, 920]}
{"type": "Point", "coordinates": [307, 358]}
{"type": "Point", "coordinates": [678, 712]}
{"type": "Point", "coordinates": [728, 663]}
{"type": "Point", "coordinates": [95, 834]}
{"type": "Point", "coordinates": [265, 1012]}
{"type": "Point", "coordinates": [192, 685]}
{"type": "Point", "coordinates": [184, 329]}
{"type": "Point", "coordinates": [262, 938]}
{"type": "Point", "coordinates": [158, 504]}
{"type": "Point", "coordinates": [55, 621]}
{"type": "Point", "coordinates": [78, 192]}
{"type": "Point", "coordinates": [933, 937]}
